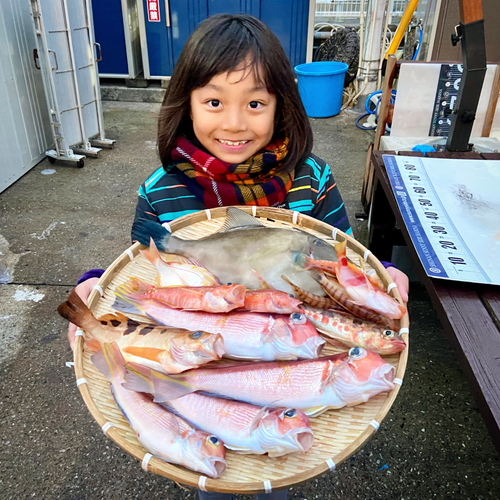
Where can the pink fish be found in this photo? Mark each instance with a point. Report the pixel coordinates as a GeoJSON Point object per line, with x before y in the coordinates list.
{"type": "Point", "coordinates": [359, 288]}
{"type": "Point", "coordinates": [271, 301]}
{"type": "Point", "coordinates": [216, 299]}
{"type": "Point", "coordinates": [312, 386]}
{"type": "Point", "coordinates": [247, 335]}
{"type": "Point", "coordinates": [242, 427]}
{"type": "Point", "coordinates": [165, 435]}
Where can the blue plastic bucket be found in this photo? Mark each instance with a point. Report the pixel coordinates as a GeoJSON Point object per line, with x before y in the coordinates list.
{"type": "Point", "coordinates": [321, 85]}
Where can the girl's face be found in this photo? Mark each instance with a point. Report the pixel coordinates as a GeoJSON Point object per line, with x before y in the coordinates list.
{"type": "Point", "coordinates": [233, 115]}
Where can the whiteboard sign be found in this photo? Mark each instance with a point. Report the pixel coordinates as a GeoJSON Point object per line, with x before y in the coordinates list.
{"type": "Point", "coordinates": [451, 209]}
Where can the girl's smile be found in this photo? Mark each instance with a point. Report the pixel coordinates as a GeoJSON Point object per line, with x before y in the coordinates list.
{"type": "Point", "coordinates": [233, 115]}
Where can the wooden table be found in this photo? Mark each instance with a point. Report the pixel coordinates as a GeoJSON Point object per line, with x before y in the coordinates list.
{"type": "Point", "coordinates": [469, 313]}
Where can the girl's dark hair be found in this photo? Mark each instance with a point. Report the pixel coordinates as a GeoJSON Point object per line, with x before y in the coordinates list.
{"type": "Point", "coordinates": [219, 45]}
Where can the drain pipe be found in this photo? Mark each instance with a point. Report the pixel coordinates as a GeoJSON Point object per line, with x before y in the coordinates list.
{"type": "Point", "coordinates": [371, 50]}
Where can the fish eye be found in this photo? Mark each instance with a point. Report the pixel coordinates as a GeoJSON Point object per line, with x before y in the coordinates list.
{"type": "Point", "coordinates": [298, 318]}
{"type": "Point", "coordinates": [388, 333]}
{"type": "Point", "coordinates": [196, 335]}
{"type": "Point", "coordinates": [291, 295]}
{"type": "Point", "coordinates": [213, 439]}
{"type": "Point", "coordinates": [318, 243]}
{"type": "Point", "coordinates": [357, 353]}
{"type": "Point", "coordinates": [290, 413]}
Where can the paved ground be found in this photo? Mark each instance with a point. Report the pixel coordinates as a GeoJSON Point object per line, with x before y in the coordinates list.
{"type": "Point", "coordinates": [433, 444]}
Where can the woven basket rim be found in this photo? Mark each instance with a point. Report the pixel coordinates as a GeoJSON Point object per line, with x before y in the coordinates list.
{"type": "Point", "coordinates": [191, 478]}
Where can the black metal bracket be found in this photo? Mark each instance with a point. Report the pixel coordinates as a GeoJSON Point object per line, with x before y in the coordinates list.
{"type": "Point", "coordinates": [471, 36]}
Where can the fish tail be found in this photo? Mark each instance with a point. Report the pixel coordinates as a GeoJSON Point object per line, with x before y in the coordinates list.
{"type": "Point", "coordinates": [109, 361]}
{"type": "Point", "coordinates": [76, 311]}
{"type": "Point", "coordinates": [168, 387]}
{"type": "Point", "coordinates": [138, 378]}
{"type": "Point", "coordinates": [144, 229]}
{"type": "Point", "coordinates": [125, 301]}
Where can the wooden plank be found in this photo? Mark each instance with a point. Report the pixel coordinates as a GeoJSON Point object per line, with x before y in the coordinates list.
{"type": "Point", "coordinates": [366, 189]}
{"type": "Point", "coordinates": [476, 341]}
{"type": "Point", "coordinates": [490, 156]}
{"type": "Point", "coordinates": [492, 104]}
{"type": "Point", "coordinates": [470, 11]}
{"type": "Point", "coordinates": [390, 72]}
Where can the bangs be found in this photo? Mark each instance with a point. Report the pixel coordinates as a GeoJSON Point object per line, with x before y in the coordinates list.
{"type": "Point", "coordinates": [230, 46]}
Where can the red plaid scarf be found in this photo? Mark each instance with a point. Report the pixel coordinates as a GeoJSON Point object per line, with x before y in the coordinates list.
{"type": "Point", "coordinates": [259, 181]}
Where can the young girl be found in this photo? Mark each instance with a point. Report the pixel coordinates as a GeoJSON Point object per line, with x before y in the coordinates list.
{"type": "Point", "coordinates": [233, 131]}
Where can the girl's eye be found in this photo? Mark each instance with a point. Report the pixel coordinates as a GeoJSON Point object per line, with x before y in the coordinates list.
{"type": "Point", "coordinates": [214, 103]}
{"type": "Point", "coordinates": [255, 104]}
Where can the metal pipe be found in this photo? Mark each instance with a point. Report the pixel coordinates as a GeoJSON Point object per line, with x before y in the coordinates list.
{"type": "Point", "coordinates": [403, 25]}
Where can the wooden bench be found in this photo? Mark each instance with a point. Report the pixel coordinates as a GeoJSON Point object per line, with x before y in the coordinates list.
{"type": "Point", "coordinates": [469, 313]}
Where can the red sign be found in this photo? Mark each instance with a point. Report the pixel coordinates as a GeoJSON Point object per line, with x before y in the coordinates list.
{"type": "Point", "coordinates": [153, 10]}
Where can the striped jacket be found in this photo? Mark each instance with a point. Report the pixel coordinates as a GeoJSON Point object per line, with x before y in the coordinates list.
{"type": "Point", "coordinates": [163, 197]}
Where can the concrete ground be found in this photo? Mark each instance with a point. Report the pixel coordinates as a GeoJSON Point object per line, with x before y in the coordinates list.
{"type": "Point", "coordinates": [433, 443]}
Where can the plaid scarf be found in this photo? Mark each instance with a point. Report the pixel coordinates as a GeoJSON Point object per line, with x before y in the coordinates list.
{"type": "Point", "coordinates": [259, 181]}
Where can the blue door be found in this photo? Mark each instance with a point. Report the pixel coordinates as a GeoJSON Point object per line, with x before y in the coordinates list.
{"type": "Point", "coordinates": [109, 33]}
{"type": "Point", "coordinates": [288, 19]}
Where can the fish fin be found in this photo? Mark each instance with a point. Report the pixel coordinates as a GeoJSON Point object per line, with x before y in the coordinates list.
{"type": "Point", "coordinates": [76, 311]}
{"type": "Point", "coordinates": [263, 284]}
{"type": "Point", "coordinates": [167, 387]}
{"type": "Point", "coordinates": [137, 288]}
{"type": "Point", "coordinates": [125, 302]}
{"type": "Point", "coordinates": [238, 218]}
{"type": "Point", "coordinates": [332, 340]}
{"type": "Point", "coordinates": [240, 449]}
{"type": "Point", "coordinates": [109, 361]}
{"type": "Point", "coordinates": [144, 229]}
{"type": "Point", "coordinates": [315, 411]}
{"type": "Point", "coordinates": [93, 345]}
{"type": "Point", "coordinates": [113, 316]}
{"type": "Point", "coordinates": [301, 260]}
{"type": "Point", "coordinates": [255, 421]}
{"type": "Point", "coordinates": [138, 378]}
{"type": "Point", "coordinates": [150, 353]}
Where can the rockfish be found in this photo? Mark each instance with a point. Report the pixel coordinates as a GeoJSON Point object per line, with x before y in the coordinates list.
{"type": "Point", "coordinates": [243, 249]}
{"type": "Point", "coordinates": [354, 332]}
{"type": "Point", "coordinates": [271, 301]}
{"type": "Point", "coordinates": [312, 386]}
{"type": "Point", "coordinates": [247, 335]}
{"type": "Point", "coordinates": [216, 299]}
{"type": "Point", "coordinates": [163, 434]}
{"type": "Point", "coordinates": [242, 427]}
{"type": "Point", "coordinates": [169, 350]}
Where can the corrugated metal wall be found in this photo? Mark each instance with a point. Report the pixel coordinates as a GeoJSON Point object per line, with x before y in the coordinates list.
{"type": "Point", "coordinates": [24, 125]}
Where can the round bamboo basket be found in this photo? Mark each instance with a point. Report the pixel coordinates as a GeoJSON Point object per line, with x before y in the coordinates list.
{"type": "Point", "coordinates": [338, 433]}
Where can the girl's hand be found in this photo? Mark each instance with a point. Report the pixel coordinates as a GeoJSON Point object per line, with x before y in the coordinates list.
{"type": "Point", "coordinates": [401, 281]}
{"type": "Point", "coordinates": [83, 290]}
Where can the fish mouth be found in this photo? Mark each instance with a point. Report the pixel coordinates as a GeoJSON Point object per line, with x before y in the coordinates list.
{"type": "Point", "coordinates": [387, 372]}
{"type": "Point", "coordinates": [217, 466]}
{"type": "Point", "coordinates": [304, 439]}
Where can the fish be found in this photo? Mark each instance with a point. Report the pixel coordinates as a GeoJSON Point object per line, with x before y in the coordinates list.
{"type": "Point", "coordinates": [331, 268]}
{"type": "Point", "coordinates": [339, 295]}
{"type": "Point", "coordinates": [221, 298]}
{"type": "Point", "coordinates": [244, 249]}
{"type": "Point", "coordinates": [271, 301]}
{"type": "Point", "coordinates": [163, 434]}
{"type": "Point", "coordinates": [242, 427]}
{"type": "Point", "coordinates": [359, 288]}
{"type": "Point", "coordinates": [313, 386]}
{"type": "Point", "coordinates": [171, 350]}
{"type": "Point", "coordinates": [247, 335]}
{"type": "Point", "coordinates": [352, 331]}
{"type": "Point", "coordinates": [311, 299]}
{"type": "Point", "coordinates": [176, 270]}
